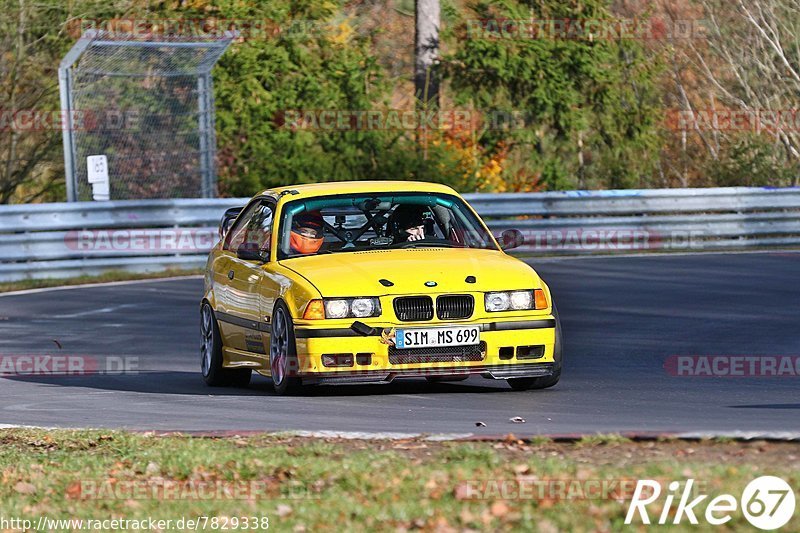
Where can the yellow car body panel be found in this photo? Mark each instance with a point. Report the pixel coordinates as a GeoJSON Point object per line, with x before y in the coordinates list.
{"type": "Point", "coordinates": [243, 295]}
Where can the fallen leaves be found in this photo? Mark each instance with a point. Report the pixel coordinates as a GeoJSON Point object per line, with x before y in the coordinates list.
{"type": "Point", "coordinates": [410, 445]}
{"type": "Point", "coordinates": [23, 487]}
{"type": "Point", "coordinates": [74, 491]}
{"type": "Point", "coordinates": [7, 475]}
{"type": "Point", "coordinates": [133, 504]}
{"type": "Point", "coordinates": [499, 509]}
{"type": "Point", "coordinates": [438, 486]}
{"type": "Point", "coordinates": [463, 491]}
{"type": "Point", "coordinates": [283, 510]}
{"type": "Point", "coordinates": [521, 469]}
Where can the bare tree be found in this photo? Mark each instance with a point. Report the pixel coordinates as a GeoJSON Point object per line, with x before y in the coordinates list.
{"type": "Point", "coordinates": [426, 53]}
{"type": "Point", "coordinates": [426, 82]}
{"type": "Point", "coordinates": [751, 59]}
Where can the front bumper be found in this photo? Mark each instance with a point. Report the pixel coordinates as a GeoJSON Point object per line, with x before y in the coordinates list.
{"type": "Point", "coordinates": [506, 371]}
{"type": "Point", "coordinates": [499, 359]}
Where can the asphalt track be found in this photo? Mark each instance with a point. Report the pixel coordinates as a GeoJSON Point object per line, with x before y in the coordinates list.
{"type": "Point", "coordinates": [622, 318]}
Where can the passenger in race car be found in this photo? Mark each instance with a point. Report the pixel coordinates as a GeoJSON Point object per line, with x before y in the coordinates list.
{"type": "Point", "coordinates": [306, 236]}
{"type": "Point", "coordinates": [408, 223]}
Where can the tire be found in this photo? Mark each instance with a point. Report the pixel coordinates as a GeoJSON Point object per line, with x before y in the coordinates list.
{"type": "Point", "coordinates": [283, 352]}
{"type": "Point", "coordinates": [545, 382]}
{"type": "Point", "coordinates": [211, 354]}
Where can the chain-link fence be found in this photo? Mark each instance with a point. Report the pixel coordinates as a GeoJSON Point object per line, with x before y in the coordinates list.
{"type": "Point", "coordinates": [147, 105]}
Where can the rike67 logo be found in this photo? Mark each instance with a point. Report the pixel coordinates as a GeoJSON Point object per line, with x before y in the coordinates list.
{"type": "Point", "coordinates": [767, 502]}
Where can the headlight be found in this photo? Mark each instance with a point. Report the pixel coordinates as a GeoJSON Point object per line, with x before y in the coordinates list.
{"type": "Point", "coordinates": [352, 307]}
{"type": "Point", "coordinates": [336, 308]}
{"type": "Point", "coordinates": [362, 307]}
{"type": "Point", "coordinates": [521, 300]}
{"type": "Point", "coordinates": [497, 301]}
{"type": "Point", "coordinates": [515, 300]}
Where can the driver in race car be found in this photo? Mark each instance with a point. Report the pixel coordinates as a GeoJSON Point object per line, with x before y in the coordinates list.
{"type": "Point", "coordinates": [409, 223]}
{"type": "Point", "coordinates": [306, 236]}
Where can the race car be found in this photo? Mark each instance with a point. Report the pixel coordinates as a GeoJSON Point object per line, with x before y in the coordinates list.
{"type": "Point", "coordinates": [367, 282]}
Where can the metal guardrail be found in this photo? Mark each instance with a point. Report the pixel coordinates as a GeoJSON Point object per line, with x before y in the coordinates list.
{"type": "Point", "coordinates": [69, 239]}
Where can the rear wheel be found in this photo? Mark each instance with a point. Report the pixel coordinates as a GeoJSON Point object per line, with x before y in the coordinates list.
{"type": "Point", "coordinates": [283, 352]}
{"type": "Point", "coordinates": [545, 382]}
{"type": "Point", "coordinates": [211, 354]}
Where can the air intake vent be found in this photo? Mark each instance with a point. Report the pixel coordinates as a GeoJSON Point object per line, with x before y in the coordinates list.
{"type": "Point", "coordinates": [454, 306]}
{"type": "Point", "coordinates": [413, 308]}
{"type": "Point", "coordinates": [441, 354]}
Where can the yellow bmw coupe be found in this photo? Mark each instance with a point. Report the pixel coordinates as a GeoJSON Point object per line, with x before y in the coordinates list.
{"type": "Point", "coordinates": [365, 282]}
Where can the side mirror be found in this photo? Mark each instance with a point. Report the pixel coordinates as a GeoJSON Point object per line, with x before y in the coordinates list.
{"type": "Point", "coordinates": [511, 238]}
{"type": "Point", "coordinates": [248, 251]}
{"type": "Point", "coordinates": [227, 220]}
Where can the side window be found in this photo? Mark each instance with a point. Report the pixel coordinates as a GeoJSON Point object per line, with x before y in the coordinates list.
{"type": "Point", "coordinates": [236, 233]}
{"type": "Point", "coordinates": [260, 227]}
{"type": "Point", "coordinates": [254, 228]}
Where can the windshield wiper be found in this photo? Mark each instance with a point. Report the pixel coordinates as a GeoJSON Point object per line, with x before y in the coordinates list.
{"type": "Point", "coordinates": [415, 244]}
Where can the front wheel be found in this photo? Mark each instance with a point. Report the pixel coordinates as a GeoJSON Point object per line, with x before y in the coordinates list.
{"type": "Point", "coordinates": [283, 352]}
{"type": "Point", "coordinates": [211, 354]}
{"type": "Point", "coordinates": [545, 382]}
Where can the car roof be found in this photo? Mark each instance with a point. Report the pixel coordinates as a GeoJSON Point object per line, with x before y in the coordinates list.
{"type": "Point", "coordinates": [354, 187]}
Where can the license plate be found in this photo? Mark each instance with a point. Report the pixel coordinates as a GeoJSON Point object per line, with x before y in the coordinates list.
{"type": "Point", "coordinates": [433, 337]}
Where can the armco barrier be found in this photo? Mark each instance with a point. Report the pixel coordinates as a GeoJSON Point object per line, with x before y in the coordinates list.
{"type": "Point", "coordinates": [68, 239]}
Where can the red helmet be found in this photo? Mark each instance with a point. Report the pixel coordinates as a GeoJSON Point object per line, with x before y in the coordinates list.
{"type": "Point", "coordinates": [306, 235]}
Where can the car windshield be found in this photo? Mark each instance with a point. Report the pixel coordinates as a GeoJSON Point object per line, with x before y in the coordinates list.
{"type": "Point", "coordinates": [356, 223]}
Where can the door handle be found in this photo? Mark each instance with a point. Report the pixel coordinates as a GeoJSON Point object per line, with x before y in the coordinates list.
{"type": "Point", "coordinates": [230, 274]}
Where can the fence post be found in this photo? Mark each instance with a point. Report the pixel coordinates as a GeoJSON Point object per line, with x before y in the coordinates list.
{"type": "Point", "coordinates": [67, 126]}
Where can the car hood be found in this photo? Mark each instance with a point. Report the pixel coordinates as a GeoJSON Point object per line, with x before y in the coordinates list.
{"type": "Point", "coordinates": [359, 273]}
